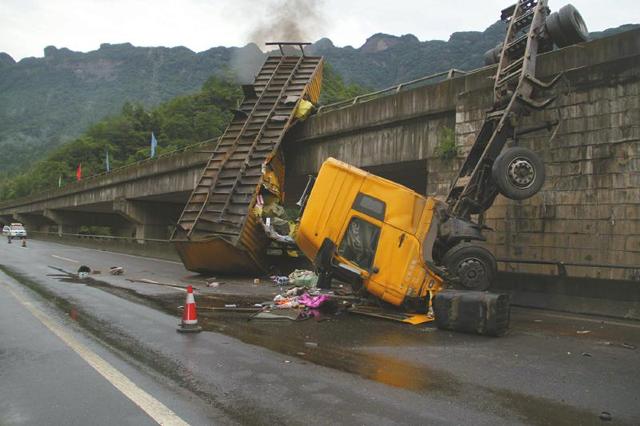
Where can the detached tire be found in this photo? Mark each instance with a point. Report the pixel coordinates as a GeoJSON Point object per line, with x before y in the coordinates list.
{"type": "Point", "coordinates": [519, 173]}
{"type": "Point", "coordinates": [474, 266]}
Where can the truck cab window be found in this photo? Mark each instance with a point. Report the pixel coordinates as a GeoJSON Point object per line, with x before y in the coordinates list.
{"type": "Point", "coordinates": [369, 206]}
{"type": "Point", "coordinates": [360, 242]}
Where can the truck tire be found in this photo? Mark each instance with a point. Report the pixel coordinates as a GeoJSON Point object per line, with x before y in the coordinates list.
{"type": "Point", "coordinates": [492, 56]}
{"type": "Point", "coordinates": [572, 24]}
{"type": "Point", "coordinates": [519, 173]}
{"type": "Point", "coordinates": [473, 265]}
{"type": "Point", "coordinates": [566, 27]}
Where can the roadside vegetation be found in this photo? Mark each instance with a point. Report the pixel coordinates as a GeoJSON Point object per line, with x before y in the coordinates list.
{"type": "Point", "coordinates": [177, 123]}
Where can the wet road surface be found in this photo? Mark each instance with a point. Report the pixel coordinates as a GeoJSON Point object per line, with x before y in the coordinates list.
{"type": "Point", "coordinates": [551, 368]}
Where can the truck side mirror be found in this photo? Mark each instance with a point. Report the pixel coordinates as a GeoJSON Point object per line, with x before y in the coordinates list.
{"type": "Point", "coordinates": [375, 270]}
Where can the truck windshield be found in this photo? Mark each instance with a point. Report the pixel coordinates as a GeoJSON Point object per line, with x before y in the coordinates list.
{"type": "Point", "coordinates": [360, 242]}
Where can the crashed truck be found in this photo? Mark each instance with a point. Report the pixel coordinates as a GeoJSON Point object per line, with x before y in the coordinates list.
{"type": "Point", "coordinates": [408, 250]}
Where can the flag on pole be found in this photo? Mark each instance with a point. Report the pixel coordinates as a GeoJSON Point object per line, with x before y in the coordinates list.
{"type": "Point", "coordinates": [79, 172]}
{"type": "Point", "coordinates": [106, 161]}
{"type": "Point", "coordinates": [154, 145]}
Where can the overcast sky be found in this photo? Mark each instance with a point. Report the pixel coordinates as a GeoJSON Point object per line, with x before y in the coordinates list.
{"type": "Point", "coordinates": [28, 26]}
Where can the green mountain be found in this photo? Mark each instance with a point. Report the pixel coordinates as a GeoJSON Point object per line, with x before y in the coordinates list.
{"type": "Point", "coordinates": [125, 137]}
{"type": "Point", "coordinates": [50, 100]}
{"type": "Point", "coordinates": [47, 101]}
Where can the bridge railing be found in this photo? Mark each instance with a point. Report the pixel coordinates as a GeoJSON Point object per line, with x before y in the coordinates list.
{"type": "Point", "coordinates": [422, 81]}
{"type": "Point", "coordinates": [69, 187]}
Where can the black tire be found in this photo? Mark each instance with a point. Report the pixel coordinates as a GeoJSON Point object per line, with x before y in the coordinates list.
{"type": "Point", "coordinates": [554, 29]}
{"type": "Point", "coordinates": [473, 265]}
{"type": "Point", "coordinates": [573, 26]}
{"type": "Point", "coordinates": [519, 173]}
{"type": "Point", "coordinates": [566, 27]}
{"type": "Point", "coordinates": [492, 56]}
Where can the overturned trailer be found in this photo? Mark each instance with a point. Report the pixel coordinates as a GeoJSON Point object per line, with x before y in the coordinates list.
{"type": "Point", "coordinates": [220, 229]}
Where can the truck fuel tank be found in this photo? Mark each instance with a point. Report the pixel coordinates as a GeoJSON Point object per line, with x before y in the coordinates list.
{"type": "Point", "coordinates": [472, 311]}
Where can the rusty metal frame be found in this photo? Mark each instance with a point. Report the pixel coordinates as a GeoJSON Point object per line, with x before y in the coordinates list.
{"type": "Point", "coordinates": [473, 190]}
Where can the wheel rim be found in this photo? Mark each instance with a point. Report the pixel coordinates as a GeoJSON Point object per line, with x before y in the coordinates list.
{"type": "Point", "coordinates": [580, 24]}
{"type": "Point", "coordinates": [521, 172]}
{"type": "Point", "coordinates": [472, 272]}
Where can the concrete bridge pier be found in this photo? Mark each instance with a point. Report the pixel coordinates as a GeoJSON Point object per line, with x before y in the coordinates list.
{"type": "Point", "coordinates": [63, 221]}
{"type": "Point", "coordinates": [151, 220]}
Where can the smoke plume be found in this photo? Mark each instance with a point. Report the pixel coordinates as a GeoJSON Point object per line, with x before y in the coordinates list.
{"type": "Point", "coordinates": [289, 20]}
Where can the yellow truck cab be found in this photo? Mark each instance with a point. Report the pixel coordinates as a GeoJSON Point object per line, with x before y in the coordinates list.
{"type": "Point", "coordinates": [366, 228]}
{"type": "Point", "coordinates": [400, 246]}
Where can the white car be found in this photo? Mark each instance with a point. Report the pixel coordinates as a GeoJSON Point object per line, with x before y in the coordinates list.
{"type": "Point", "coordinates": [17, 230]}
{"type": "Point", "coordinates": [6, 230]}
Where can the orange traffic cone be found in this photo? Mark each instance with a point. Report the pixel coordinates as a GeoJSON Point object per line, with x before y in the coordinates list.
{"type": "Point", "coordinates": [189, 315]}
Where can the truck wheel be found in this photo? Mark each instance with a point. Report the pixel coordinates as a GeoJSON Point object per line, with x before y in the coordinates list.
{"type": "Point", "coordinates": [492, 56]}
{"type": "Point", "coordinates": [573, 26]}
{"type": "Point", "coordinates": [566, 27]}
{"type": "Point", "coordinates": [519, 173]}
{"type": "Point", "coordinates": [473, 265]}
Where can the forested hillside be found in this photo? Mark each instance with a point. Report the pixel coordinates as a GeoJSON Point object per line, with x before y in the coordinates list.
{"type": "Point", "coordinates": [176, 123]}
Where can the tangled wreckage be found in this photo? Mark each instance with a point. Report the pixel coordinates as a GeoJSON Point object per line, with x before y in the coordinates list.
{"type": "Point", "coordinates": [406, 249]}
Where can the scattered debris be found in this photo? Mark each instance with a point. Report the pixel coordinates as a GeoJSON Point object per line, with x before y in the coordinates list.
{"type": "Point", "coordinates": [303, 278]}
{"type": "Point", "coordinates": [622, 345]}
{"type": "Point", "coordinates": [587, 354]}
{"type": "Point", "coordinates": [231, 305]}
{"type": "Point", "coordinates": [83, 272]}
{"type": "Point", "coordinates": [377, 312]}
{"type": "Point", "coordinates": [148, 281]}
{"type": "Point", "coordinates": [605, 416]}
{"type": "Point", "coordinates": [213, 284]}
{"type": "Point", "coordinates": [537, 320]}
{"type": "Point", "coordinates": [116, 270]}
{"type": "Point", "coordinates": [96, 272]}
{"type": "Point", "coordinates": [313, 301]}
{"type": "Point", "coordinates": [256, 281]}
{"type": "Point", "coordinates": [583, 331]}
{"type": "Point", "coordinates": [311, 344]}
{"type": "Point", "coordinates": [279, 280]}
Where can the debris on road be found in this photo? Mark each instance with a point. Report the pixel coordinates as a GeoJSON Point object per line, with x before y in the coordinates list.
{"type": "Point", "coordinates": [303, 278]}
{"type": "Point", "coordinates": [583, 331]}
{"type": "Point", "coordinates": [116, 270]}
{"type": "Point", "coordinates": [83, 272]}
{"type": "Point", "coordinates": [148, 281]}
{"type": "Point", "coordinates": [605, 416]}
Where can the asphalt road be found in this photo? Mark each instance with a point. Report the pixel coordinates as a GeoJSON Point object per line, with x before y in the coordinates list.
{"type": "Point", "coordinates": [551, 368]}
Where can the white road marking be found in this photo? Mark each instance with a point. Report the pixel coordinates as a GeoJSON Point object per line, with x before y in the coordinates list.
{"type": "Point", "coordinates": [154, 408]}
{"type": "Point", "coordinates": [65, 258]}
